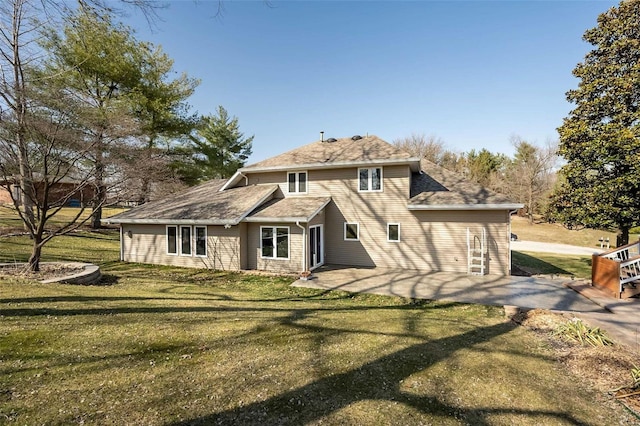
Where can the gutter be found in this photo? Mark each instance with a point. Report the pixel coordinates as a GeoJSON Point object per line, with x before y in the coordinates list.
{"type": "Point", "coordinates": [170, 221]}
{"type": "Point", "coordinates": [464, 206]}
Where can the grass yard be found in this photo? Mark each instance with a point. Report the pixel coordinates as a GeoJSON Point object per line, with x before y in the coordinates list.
{"type": "Point", "coordinates": [11, 222]}
{"type": "Point", "coordinates": [81, 246]}
{"type": "Point", "coordinates": [556, 233]}
{"type": "Point", "coordinates": [173, 346]}
{"type": "Point", "coordinates": [550, 263]}
{"type": "Point", "coordinates": [160, 345]}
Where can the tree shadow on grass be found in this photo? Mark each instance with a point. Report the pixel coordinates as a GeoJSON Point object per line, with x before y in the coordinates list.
{"type": "Point", "coordinates": [378, 380]}
{"type": "Point", "coordinates": [532, 265]}
{"type": "Point", "coordinates": [107, 280]}
{"type": "Point", "coordinates": [62, 312]}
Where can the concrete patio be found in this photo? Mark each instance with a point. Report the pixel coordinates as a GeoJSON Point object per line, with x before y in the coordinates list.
{"type": "Point", "coordinates": [620, 318]}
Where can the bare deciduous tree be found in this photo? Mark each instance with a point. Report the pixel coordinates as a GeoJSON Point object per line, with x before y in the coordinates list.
{"type": "Point", "coordinates": [431, 148]}
{"type": "Point", "coordinates": [39, 149]}
{"type": "Point", "coordinates": [531, 174]}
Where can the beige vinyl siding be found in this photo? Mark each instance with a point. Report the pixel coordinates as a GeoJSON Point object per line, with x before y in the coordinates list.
{"type": "Point", "coordinates": [430, 240]}
{"type": "Point", "coordinates": [437, 240]}
{"type": "Point", "coordinates": [243, 245]}
{"type": "Point", "coordinates": [255, 260]}
{"type": "Point", "coordinates": [371, 210]}
{"type": "Point", "coordinates": [148, 244]}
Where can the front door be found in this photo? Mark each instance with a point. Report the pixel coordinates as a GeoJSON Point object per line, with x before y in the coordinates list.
{"type": "Point", "coordinates": [315, 247]}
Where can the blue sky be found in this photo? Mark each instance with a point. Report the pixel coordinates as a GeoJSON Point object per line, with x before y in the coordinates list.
{"type": "Point", "coordinates": [472, 73]}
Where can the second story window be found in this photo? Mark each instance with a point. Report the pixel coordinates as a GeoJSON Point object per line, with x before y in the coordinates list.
{"type": "Point", "coordinates": [297, 182]}
{"type": "Point", "coordinates": [370, 179]}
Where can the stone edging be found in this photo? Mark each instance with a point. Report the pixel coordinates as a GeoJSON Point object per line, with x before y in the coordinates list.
{"type": "Point", "coordinates": [90, 273]}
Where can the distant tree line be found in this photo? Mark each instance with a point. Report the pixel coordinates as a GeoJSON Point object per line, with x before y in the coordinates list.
{"type": "Point", "coordinates": [528, 177]}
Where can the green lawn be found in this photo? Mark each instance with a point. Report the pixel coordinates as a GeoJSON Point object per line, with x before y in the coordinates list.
{"type": "Point", "coordinates": [550, 263]}
{"type": "Point", "coordinates": [11, 222]}
{"type": "Point", "coordinates": [161, 345]}
{"type": "Point", "coordinates": [556, 233]}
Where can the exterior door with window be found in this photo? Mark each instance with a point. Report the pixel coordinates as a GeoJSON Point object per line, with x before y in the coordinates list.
{"type": "Point", "coordinates": [316, 243]}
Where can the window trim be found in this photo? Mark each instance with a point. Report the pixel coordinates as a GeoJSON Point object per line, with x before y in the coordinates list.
{"type": "Point", "coordinates": [389, 224]}
{"type": "Point", "coordinates": [167, 240]}
{"type": "Point", "coordinates": [370, 179]}
{"type": "Point", "coordinates": [274, 237]}
{"type": "Point", "coordinates": [195, 241]}
{"type": "Point", "coordinates": [190, 241]}
{"type": "Point", "coordinates": [297, 182]}
{"type": "Point", "coordinates": [344, 234]}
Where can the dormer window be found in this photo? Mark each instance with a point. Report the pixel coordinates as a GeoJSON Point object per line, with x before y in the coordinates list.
{"type": "Point", "coordinates": [370, 179]}
{"type": "Point", "coordinates": [297, 182]}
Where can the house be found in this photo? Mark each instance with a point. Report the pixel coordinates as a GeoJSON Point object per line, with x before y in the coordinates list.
{"type": "Point", "coordinates": [356, 201]}
{"type": "Point", "coordinates": [66, 191]}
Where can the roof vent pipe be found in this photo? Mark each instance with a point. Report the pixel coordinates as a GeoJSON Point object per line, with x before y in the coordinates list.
{"type": "Point", "coordinates": [321, 136]}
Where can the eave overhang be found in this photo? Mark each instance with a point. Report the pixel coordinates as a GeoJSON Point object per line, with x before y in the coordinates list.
{"type": "Point", "coordinates": [511, 206]}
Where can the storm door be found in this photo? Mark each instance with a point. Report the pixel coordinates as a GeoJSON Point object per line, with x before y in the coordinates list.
{"type": "Point", "coordinates": [315, 247]}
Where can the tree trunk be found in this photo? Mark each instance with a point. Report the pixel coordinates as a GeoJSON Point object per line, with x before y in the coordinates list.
{"type": "Point", "coordinates": [36, 252]}
{"type": "Point", "coordinates": [20, 110]}
{"type": "Point", "coordinates": [26, 185]}
{"type": "Point", "coordinates": [144, 190]}
{"type": "Point", "coordinates": [623, 237]}
{"type": "Point", "coordinates": [101, 192]}
{"type": "Point", "coordinates": [145, 187]}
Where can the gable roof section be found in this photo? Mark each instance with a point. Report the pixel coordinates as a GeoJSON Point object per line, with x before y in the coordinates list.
{"type": "Point", "coordinates": [436, 188]}
{"type": "Point", "coordinates": [292, 209]}
{"type": "Point", "coordinates": [203, 204]}
{"type": "Point", "coordinates": [344, 152]}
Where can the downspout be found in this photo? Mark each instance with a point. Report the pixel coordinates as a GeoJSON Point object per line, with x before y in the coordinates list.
{"type": "Point", "coordinates": [511, 212]}
{"type": "Point", "coordinates": [304, 245]}
{"type": "Point", "coordinates": [246, 179]}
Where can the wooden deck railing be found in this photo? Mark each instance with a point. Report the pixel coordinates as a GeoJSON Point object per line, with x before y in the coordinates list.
{"type": "Point", "coordinates": [613, 269]}
{"type": "Point", "coordinates": [625, 252]}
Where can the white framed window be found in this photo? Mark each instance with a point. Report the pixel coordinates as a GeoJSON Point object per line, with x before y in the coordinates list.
{"type": "Point", "coordinates": [185, 241]}
{"type": "Point", "coordinates": [351, 231]}
{"type": "Point", "coordinates": [370, 179]}
{"type": "Point", "coordinates": [200, 233]}
{"type": "Point", "coordinates": [274, 242]}
{"type": "Point", "coordinates": [172, 240]}
{"type": "Point", "coordinates": [297, 182]}
{"type": "Point", "coordinates": [393, 232]}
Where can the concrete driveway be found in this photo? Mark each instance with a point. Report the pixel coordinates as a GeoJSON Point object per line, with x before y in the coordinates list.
{"type": "Point", "coordinates": [620, 318]}
{"type": "Point", "coordinates": [524, 292]}
{"type": "Point", "coordinates": [539, 247]}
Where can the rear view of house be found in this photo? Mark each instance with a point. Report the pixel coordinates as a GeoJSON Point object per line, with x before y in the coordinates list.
{"type": "Point", "coordinates": [356, 201]}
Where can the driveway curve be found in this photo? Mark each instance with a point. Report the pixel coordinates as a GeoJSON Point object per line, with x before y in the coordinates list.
{"type": "Point", "coordinates": [540, 247]}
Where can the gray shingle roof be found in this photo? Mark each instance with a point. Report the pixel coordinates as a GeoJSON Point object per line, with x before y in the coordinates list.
{"type": "Point", "coordinates": [203, 204]}
{"type": "Point", "coordinates": [292, 209]}
{"type": "Point", "coordinates": [437, 187]}
{"type": "Point", "coordinates": [369, 149]}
